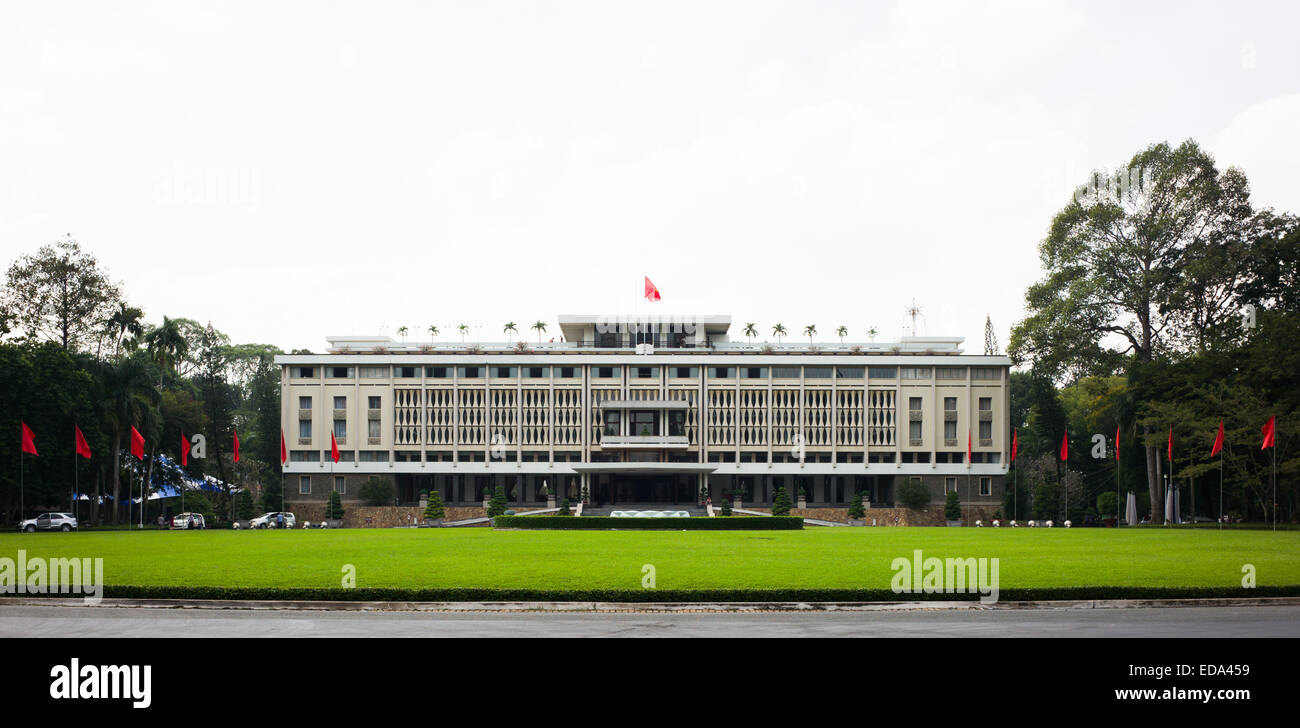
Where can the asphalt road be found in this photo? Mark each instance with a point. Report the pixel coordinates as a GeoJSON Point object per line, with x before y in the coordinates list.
{"type": "Point", "coordinates": [1262, 621]}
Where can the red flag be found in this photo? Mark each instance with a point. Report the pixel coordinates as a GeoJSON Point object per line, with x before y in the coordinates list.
{"type": "Point", "coordinates": [236, 445]}
{"type": "Point", "coordinates": [651, 293]}
{"type": "Point", "coordinates": [1015, 444]}
{"type": "Point", "coordinates": [1171, 443]}
{"type": "Point", "coordinates": [1269, 429]}
{"type": "Point", "coordinates": [1116, 443]}
{"type": "Point", "coordinates": [284, 453]}
{"type": "Point", "coordinates": [29, 440]}
{"type": "Point", "coordinates": [1065, 446]}
{"type": "Point", "coordinates": [1218, 441]}
{"type": "Point", "coordinates": [968, 446]}
{"type": "Point", "coordinates": [137, 444]}
{"type": "Point", "coordinates": [334, 448]}
{"type": "Point", "coordinates": [185, 451]}
{"type": "Point", "coordinates": [83, 447]}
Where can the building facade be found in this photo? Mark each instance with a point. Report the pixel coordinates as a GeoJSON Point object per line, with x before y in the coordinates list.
{"type": "Point", "coordinates": [646, 411]}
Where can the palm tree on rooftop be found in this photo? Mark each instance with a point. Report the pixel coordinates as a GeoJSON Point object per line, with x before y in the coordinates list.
{"type": "Point", "coordinates": [841, 332]}
{"type": "Point", "coordinates": [540, 328]}
{"type": "Point", "coordinates": [871, 332]}
{"type": "Point", "coordinates": [810, 331]}
{"type": "Point", "coordinates": [751, 331]}
{"type": "Point", "coordinates": [401, 331]}
{"type": "Point", "coordinates": [778, 331]}
{"type": "Point", "coordinates": [463, 329]}
{"type": "Point", "coordinates": [433, 332]}
{"type": "Point", "coordinates": [510, 330]}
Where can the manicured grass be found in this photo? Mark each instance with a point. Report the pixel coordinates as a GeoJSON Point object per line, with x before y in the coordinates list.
{"type": "Point", "coordinates": [813, 559]}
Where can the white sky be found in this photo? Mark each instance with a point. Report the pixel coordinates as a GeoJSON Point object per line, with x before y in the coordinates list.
{"type": "Point", "coordinates": [291, 170]}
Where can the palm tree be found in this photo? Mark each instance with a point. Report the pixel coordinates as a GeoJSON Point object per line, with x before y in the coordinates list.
{"type": "Point", "coordinates": [871, 332]}
{"type": "Point", "coordinates": [167, 346]}
{"type": "Point", "coordinates": [778, 331]}
{"type": "Point", "coordinates": [751, 331]}
{"type": "Point", "coordinates": [841, 332]}
{"type": "Point", "coordinates": [129, 400]}
{"type": "Point", "coordinates": [401, 331]}
{"type": "Point", "coordinates": [510, 330]}
{"type": "Point", "coordinates": [433, 332]}
{"type": "Point", "coordinates": [810, 331]}
{"type": "Point", "coordinates": [126, 319]}
{"type": "Point", "coordinates": [540, 328]}
{"type": "Point", "coordinates": [463, 329]}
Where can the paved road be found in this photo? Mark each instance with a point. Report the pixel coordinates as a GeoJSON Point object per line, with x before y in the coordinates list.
{"type": "Point", "coordinates": [1270, 621]}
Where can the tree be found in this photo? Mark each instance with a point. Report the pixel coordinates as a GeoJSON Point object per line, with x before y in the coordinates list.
{"type": "Point", "coordinates": [781, 504]}
{"type": "Point", "coordinates": [433, 331]}
{"type": "Point", "coordinates": [778, 331]}
{"type": "Point", "coordinates": [463, 329]}
{"type": "Point", "coordinates": [244, 505]}
{"type": "Point", "coordinates": [497, 506]}
{"type": "Point", "coordinates": [841, 332]}
{"type": "Point", "coordinates": [402, 331]}
{"type": "Point", "coordinates": [751, 330]}
{"type": "Point", "coordinates": [872, 333]}
{"type": "Point", "coordinates": [952, 506]}
{"type": "Point", "coordinates": [166, 345]}
{"type": "Point", "coordinates": [60, 294]}
{"type": "Point", "coordinates": [122, 321]}
{"type": "Point", "coordinates": [726, 508]}
{"type": "Point", "coordinates": [130, 399]}
{"type": "Point", "coordinates": [334, 507]}
{"type": "Point", "coordinates": [913, 494]}
{"type": "Point", "coordinates": [564, 508]}
{"type": "Point", "coordinates": [856, 508]}
{"type": "Point", "coordinates": [509, 330]}
{"type": "Point", "coordinates": [435, 509]}
{"type": "Point", "coordinates": [377, 491]}
{"type": "Point", "coordinates": [810, 331]}
{"type": "Point", "coordinates": [990, 337]}
{"type": "Point", "coordinates": [540, 328]}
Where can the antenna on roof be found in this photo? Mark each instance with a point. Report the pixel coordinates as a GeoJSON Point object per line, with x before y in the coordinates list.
{"type": "Point", "coordinates": [912, 312]}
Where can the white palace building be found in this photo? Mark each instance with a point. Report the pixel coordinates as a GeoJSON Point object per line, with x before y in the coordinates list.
{"type": "Point", "coordinates": [638, 411]}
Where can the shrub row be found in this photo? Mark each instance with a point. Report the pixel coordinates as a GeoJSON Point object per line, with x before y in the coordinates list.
{"type": "Point", "coordinates": [670, 595]}
{"type": "Point", "coordinates": [757, 523]}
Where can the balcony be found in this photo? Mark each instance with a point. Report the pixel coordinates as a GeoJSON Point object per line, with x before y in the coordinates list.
{"type": "Point", "coordinates": [643, 442]}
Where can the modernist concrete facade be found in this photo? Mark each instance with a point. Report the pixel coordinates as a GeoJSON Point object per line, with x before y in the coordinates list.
{"type": "Point", "coordinates": [646, 410]}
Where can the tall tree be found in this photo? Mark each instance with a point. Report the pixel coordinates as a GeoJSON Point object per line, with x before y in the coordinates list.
{"type": "Point", "coordinates": [59, 294]}
{"type": "Point", "coordinates": [130, 397]}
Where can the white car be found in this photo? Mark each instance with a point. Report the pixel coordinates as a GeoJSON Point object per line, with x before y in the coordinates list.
{"type": "Point", "coordinates": [182, 521]}
{"type": "Point", "coordinates": [49, 522]}
{"type": "Point", "coordinates": [269, 520]}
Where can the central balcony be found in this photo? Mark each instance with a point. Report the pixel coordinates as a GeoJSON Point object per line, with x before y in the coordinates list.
{"type": "Point", "coordinates": [644, 442]}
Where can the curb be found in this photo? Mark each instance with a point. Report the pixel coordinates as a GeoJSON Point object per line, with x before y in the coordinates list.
{"type": "Point", "coordinates": [657, 607]}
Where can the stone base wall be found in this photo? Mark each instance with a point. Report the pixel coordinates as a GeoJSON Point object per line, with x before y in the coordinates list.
{"type": "Point", "coordinates": [932, 516]}
{"type": "Point", "coordinates": [380, 516]}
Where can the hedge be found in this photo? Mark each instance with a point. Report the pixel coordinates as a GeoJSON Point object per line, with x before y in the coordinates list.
{"type": "Point", "coordinates": [667, 595]}
{"type": "Point", "coordinates": [757, 523]}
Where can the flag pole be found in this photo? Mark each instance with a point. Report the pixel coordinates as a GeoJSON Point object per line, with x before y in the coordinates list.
{"type": "Point", "coordinates": [1220, 489]}
{"type": "Point", "coordinates": [21, 501]}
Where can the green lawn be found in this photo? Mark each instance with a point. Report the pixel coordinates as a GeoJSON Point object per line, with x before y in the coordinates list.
{"type": "Point", "coordinates": [817, 558]}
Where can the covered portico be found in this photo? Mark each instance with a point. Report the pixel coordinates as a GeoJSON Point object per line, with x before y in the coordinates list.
{"type": "Point", "coordinates": [635, 483]}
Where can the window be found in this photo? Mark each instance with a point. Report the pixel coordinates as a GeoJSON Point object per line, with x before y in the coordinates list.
{"type": "Point", "coordinates": [950, 404]}
{"type": "Point", "coordinates": [882, 373]}
{"type": "Point", "coordinates": [469, 372]}
{"type": "Point", "coordinates": [685, 372]}
{"type": "Point", "coordinates": [340, 484]}
{"type": "Point", "coordinates": [949, 485]}
{"type": "Point", "coordinates": [304, 456]}
{"type": "Point", "coordinates": [644, 372]}
{"type": "Point", "coordinates": [611, 423]}
{"type": "Point", "coordinates": [304, 403]}
{"type": "Point", "coordinates": [721, 372]}
{"type": "Point", "coordinates": [304, 428]}
{"type": "Point", "coordinates": [850, 372]}
{"type": "Point", "coordinates": [914, 424]}
{"type": "Point", "coordinates": [340, 429]}
{"type": "Point", "coordinates": [677, 423]}
{"type": "Point", "coordinates": [950, 372]}
{"type": "Point", "coordinates": [986, 404]}
{"type": "Point", "coordinates": [503, 372]}
{"type": "Point", "coordinates": [914, 430]}
{"type": "Point", "coordinates": [372, 402]}
{"type": "Point", "coordinates": [536, 372]}
{"type": "Point", "coordinates": [304, 485]}
{"type": "Point", "coordinates": [567, 372]}
{"type": "Point", "coordinates": [373, 428]}
{"type": "Point", "coordinates": [754, 372]}
{"type": "Point", "coordinates": [606, 372]}
{"type": "Point", "coordinates": [914, 404]}
{"type": "Point", "coordinates": [304, 372]}
{"type": "Point", "coordinates": [374, 456]}
{"type": "Point", "coordinates": [340, 403]}
{"type": "Point", "coordinates": [816, 372]}
{"type": "Point", "coordinates": [437, 372]}
{"type": "Point", "coordinates": [986, 486]}
{"type": "Point", "coordinates": [338, 372]}
{"type": "Point", "coordinates": [374, 372]}
{"type": "Point", "coordinates": [785, 372]}
{"type": "Point", "coordinates": [985, 373]}
{"type": "Point", "coordinates": [986, 430]}
{"type": "Point", "coordinates": [950, 429]}
{"type": "Point", "coordinates": [916, 372]}
{"type": "Point", "coordinates": [406, 372]}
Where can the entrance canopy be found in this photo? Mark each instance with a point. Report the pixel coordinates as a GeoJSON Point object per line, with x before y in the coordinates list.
{"type": "Point", "coordinates": [644, 468]}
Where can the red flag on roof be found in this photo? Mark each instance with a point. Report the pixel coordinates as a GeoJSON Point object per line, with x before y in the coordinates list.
{"type": "Point", "coordinates": [651, 293]}
{"type": "Point", "coordinates": [29, 440]}
{"type": "Point", "coordinates": [137, 444]}
{"type": "Point", "coordinates": [83, 447]}
{"type": "Point", "coordinates": [1218, 441]}
{"type": "Point", "coordinates": [1270, 428]}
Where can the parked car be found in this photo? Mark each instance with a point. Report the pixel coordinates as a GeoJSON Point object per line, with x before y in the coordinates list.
{"type": "Point", "coordinates": [49, 522]}
{"type": "Point", "coordinates": [269, 520]}
{"type": "Point", "coordinates": [182, 521]}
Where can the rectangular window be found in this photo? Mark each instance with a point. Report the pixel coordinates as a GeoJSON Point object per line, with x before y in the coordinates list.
{"type": "Point", "coordinates": [469, 372]}
{"type": "Point", "coordinates": [985, 373]}
{"type": "Point", "coordinates": [986, 404]}
{"type": "Point", "coordinates": [340, 484]}
{"type": "Point", "coordinates": [721, 372]}
{"type": "Point", "coordinates": [882, 372]}
{"type": "Point", "coordinates": [374, 372]}
{"type": "Point", "coordinates": [950, 404]}
{"type": "Point", "coordinates": [305, 372]}
{"type": "Point", "coordinates": [340, 429]}
{"type": "Point", "coordinates": [437, 372]}
{"type": "Point", "coordinates": [340, 403]}
{"type": "Point", "coordinates": [304, 485]}
{"type": "Point", "coordinates": [304, 456]}
{"type": "Point", "coordinates": [685, 372]}
{"type": "Point", "coordinates": [567, 372]}
{"type": "Point", "coordinates": [373, 428]}
{"type": "Point", "coordinates": [375, 456]}
{"type": "Point", "coordinates": [986, 430]}
{"type": "Point", "coordinates": [644, 372]}
{"type": "Point", "coordinates": [754, 372]}
{"type": "Point", "coordinates": [677, 423]}
{"type": "Point", "coordinates": [914, 404]}
{"type": "Point", "coordinates": [914, 430]}
{"type": "Point", "coordinates": [949, 485]}
{"type": "Point", "coordinates": [950, 430]}
{"type": "Point", "coordinates": [536, 372]}
{"type": "Point", "coordinates": [950, 372]}
{"type": "Point", "coordinates": [304, 403]}
{"type": "Point", "coordinates": [338, 372]}
{"type": "Point", "coordinates": [850, 372]}
{"type": "Point", "coordinates": [785, 372]}
{"type": "Point", "coordinates": [304, 428]}
{"type": "Point", "coordinates": [607, 372]}
{"type": "Point", "coordinates": [611, 423]}
{"type": "Point", "coordinates": [816, 372]}
{"type": "Point", "coordinates": [916, 372]}
{"type": "Point", "coordinates": [986, 486]}
{"type": "Point", "coordinates": [406, 372]}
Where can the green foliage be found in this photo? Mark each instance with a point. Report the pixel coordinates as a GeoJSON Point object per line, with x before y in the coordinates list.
{"type": "Point", "coordinates": [197, 502]}
{"type": "Point", "coordinates": [603, 523]}
{"type": "Point", "coordinates": [244, 506]}
{"type": "Point", "coordinates": [726, 508]}
{"type": "Point", "coordinates": [334, 507]}
{"type": "Point", "coordinates": [377, 491]}
{"type": "Point", "coordinates": [912, 494]}
{"type": "Point", "coordinates": [564, 508]}
{"type": "Point", "coordinates": [1107, 501]}
{"type": "Point", "coordinates": [856, 509]}
{"type": "Point", "coordinates": [435, 508]}
{"type": "Point", "coordinates": [781, 504]}
{"type": "Point", "coordinates": [952, 506]}
{"type": "Point", "coordinates": [497, 506]}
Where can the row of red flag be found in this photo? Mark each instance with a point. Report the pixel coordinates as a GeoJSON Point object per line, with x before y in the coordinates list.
{"type": "Point", "coordinates": [1269, 430]}
{"type": "Point", "coordinates": [137, 444]}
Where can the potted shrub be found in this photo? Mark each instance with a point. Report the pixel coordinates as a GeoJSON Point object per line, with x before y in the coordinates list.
{"type": "Point", "coordinates": [424, 499]}
{"type": "Point", "coordinates": [726, 508]}
{"type": "Point", "coordinates": [857, 514]}
{"type": "Point", "coordinates": [803, 498]}
{"type": "Point", "coordinates": [780, 502]}
{"type": "Point", "coordinates": [548, 495]}
{"type": "Point", "coordinates": [434, 511]}
{"type": "Point", "coordinates": [243, 509]}
{"type": "Point", "coordinates": [334, 511]}
{"type": "Point", "coordinates": [952, 509]}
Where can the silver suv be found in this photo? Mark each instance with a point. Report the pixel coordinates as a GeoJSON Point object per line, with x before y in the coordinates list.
{"type": "Point", "coordinates": [49, 522]}
{"type": "Point", "coordinates": [269, 520]}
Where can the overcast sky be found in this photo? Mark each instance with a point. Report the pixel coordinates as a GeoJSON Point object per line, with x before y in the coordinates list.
{"type": "Point", "coordinates": [288, 170]}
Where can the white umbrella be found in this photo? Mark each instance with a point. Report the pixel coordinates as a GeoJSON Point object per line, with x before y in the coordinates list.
{"type": "Point", "coordinates": [1131, 510]}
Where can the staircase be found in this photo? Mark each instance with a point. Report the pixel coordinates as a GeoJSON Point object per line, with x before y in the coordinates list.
{"type": "Point", "coordinates": [693, 509]}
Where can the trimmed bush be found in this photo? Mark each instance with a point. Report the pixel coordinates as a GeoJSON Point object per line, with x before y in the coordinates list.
{"type": "Point", "coordinates": [1106, 503]}
{"type": "Point", "coordinates": [497, 506]}
{"type": "Point", "coordinates": [564, 508]}
{"type": "Point", "coordinates": [334, 508]}
{"type": "Point", "coordinates": [856, 511]}
{"type": "Point", "coordinates": [952, 506]}
{"type": "Point", "coordinates": [757, 523]}
{"type": "Point", "coordinates": [726, 508]}
{"type": "Point", "coordinates": [435, 509]}
{"type": "Point", "coordinates": [781, 502]}
{"type": "Point", "coordinates": [913, 494]}
{"type": "Point", "coordinates": [377, 491]}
